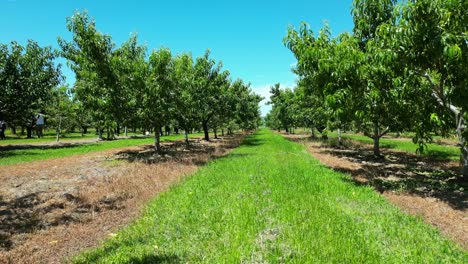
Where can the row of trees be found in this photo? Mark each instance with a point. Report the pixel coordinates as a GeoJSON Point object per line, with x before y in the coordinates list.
{"type": "Point", "coordinates": [28, 77]}
{"type": "Point", "coordinates": [402, 69]}
{"type": "Point", "coordinates": [124, 86]}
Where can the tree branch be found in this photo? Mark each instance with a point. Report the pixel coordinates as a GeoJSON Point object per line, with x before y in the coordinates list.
{"type": "Point", "coordinates": [438, 97]}
{"type": "Point", "coordinates": [386, 130]}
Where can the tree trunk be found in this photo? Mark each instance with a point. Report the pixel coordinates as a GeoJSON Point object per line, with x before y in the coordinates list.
{"type": "Point", "coordinates": [464, 162]}
{"type": "Point", "coordinates": [205, 130]}
{"type": "Point", "coordinates": [29, 132]}
{"type": "Point", "coordinates": [222, 132]}
{"type": "Point", "coordinates": [58, 129]}
{"type": "Point", "coordinates": [99, 133]}
{"type": "Point", "coordinates": [312, 132]}
{"type": "Point", "coordinates": [13, 130]}
{"type": "Point", "coordinates": [376, 139]}
{"type": "Point", "coordinates": [215, 131]}
{"type": "Point", "coordinates": [117, 130]}
{"type": "Point", "coordinates": [126, 131]}
{"type": "Point", "coordinates": [461, 126]}
{"type": "Point", "coordinates": [460, 121]}
{"type": "Point", "coordinates": [339, 137]}
{"type": "Point", "coordinates": [157, 141]}
{"type": "Point", "coordinates": [186, 137]}
{"type": "Point", "coordinates": [85, 130]}
{"type": "Point", "coordinates": [376, 146]}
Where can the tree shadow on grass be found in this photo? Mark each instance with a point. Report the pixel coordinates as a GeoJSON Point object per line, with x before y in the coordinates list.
{"type": "Point", "coordinates": [163, 258]}
{"type": "Point", "coordinates": [11, 151]}
{"type": "Point", "coordinates": [18, 216]}
{"type": "Point", "coordinates": [38, 211]}
{"type": "Point", "coordinates": [59, 145]}
{"type": "Point", "coordinates": [112, 248]}
{"type": "Point", "coordinates": [438, 154]}
{"type": "Point", "coordinates": [10, 154]}
{"type": "Point", "coordinates": [196, 152]}
{"type": "Point", "coordinates": [7, 148]}
{"type": "Point", "coordinates": [253, 141]}
{"type": "Point", "coordinates": [399, 171]}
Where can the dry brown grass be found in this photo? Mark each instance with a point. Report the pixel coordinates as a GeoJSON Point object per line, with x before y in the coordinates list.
{"type": "Point", "coordinates": [75, 202]}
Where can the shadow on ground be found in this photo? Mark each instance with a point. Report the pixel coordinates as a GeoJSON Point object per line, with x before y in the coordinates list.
{"type": "Point", "coordinates": [15, 217]}
{"type": "Point", "coordinates": [62, 144]}
{"type": "Point", "coordinates": [197, 152]}
{"type": "Point", "coordinates": [156, 259]}
{"type": "Point", "coordinates": [399, 171]}
{"type": "Point", "coordinates": [37, 211]}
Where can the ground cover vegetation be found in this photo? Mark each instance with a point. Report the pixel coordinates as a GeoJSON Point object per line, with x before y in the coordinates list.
{"type": "Point", "coordinates": [13, 154]}
{"type": "Point", "coordinates": [400, 70]}
{"type": "Point", "coordinates": [270, 201]}
{"type": "Point", "coordinates": [439, 151]}
{"type": "Point", "coordinates": [52, 209]}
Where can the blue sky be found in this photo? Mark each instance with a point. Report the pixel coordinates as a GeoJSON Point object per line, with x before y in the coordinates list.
{"type": "Point", "coordinates": [245, 35]}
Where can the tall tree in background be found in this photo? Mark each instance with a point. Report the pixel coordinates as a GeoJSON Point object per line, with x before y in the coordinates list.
{"type": "Point", "coordinates": [246, 105]}
{"type": "Point", "coordinates": [159, 97]}
{"type": "Point", "coordinates": [381, 105]}
{"type": "Point", "coordinates": [61, 110]}
{"type": "Point", "coordinates": [27, 77]}
{"type": "Point", "coordinates": [91, 56]}
{"type": "Point", "coordinates": [129, 63]}
{"type": "Point", "coordinates": [209, 77]}
{"type": "Point", "coordinates": [328, 69]}
{"type": "Point", "coordinates": [185, 113]}
{"type": "Point", "coordinates": [282, 110]}
{"type": "Point", "coordinates": [311, 53]}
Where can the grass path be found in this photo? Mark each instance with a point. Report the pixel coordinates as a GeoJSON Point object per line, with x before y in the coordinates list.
{"type": "Point", "coordinates": [37, 152]}
{"type": "Point", "coordinates": [270, 201]}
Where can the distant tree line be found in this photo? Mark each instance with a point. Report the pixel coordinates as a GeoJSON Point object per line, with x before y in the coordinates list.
{"type": "Point", "coordinates": [121, 87]}
{"type": "Point", "coordinates": [404, 68]}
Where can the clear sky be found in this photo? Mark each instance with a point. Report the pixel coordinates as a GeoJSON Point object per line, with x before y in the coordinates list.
{"type": "Point", "coordinates": [245, 35]}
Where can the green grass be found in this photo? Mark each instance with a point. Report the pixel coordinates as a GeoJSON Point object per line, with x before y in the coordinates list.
{"type": "Point", "coordinates": [33, 153]}
{"type": "Point", "coordinates": [50, 136]}
{"type": "Point", "coordinates": [270, 201]}
{"type": "Point", "coordinates": [432, 150]}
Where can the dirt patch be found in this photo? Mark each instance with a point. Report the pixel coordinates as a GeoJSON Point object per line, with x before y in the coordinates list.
{"type": "Point", "coordinates": [432, 189]}
{"type": "Point", "coordinates": [50, 210]}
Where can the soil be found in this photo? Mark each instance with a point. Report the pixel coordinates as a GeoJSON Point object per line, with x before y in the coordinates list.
{"type": "Point", "coordinates": [50, 210]}
{"type": "Point", "coordinates": [430, 188]}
